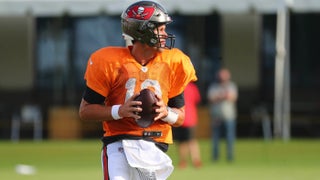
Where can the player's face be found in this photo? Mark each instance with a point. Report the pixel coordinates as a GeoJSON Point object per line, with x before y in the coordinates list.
{"type": "Point", "coordinates": [224, 75]}
{"type": "Point", "coordinates": [162, 34]}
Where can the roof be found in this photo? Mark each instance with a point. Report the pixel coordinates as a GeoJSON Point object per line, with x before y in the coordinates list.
{"type": "Point", "coordinates": [115, 7]}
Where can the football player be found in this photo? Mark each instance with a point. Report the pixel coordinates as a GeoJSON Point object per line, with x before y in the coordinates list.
{"type": "Point", "coordinates": [115, 76]}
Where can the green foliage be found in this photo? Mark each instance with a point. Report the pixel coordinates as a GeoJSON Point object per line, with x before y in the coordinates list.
{"type": "Point", "coordinates": [254, 159]}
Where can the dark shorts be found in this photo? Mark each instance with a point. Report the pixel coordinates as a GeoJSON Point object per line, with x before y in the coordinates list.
{"type": "Point", "coordinates": [182, 134]}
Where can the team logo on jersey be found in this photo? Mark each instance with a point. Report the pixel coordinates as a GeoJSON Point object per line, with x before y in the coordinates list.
{"type": "Point", "coordinates": [140, 12]}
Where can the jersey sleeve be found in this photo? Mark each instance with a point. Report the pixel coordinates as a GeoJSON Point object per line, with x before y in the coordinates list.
{"type": "Point", "coordinates": [96, 76]}
{"type": "Point", "coordinates": [184, 73]}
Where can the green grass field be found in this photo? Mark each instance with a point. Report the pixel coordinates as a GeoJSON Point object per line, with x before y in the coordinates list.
{"type": "Point", "coordinates": [255, 159]}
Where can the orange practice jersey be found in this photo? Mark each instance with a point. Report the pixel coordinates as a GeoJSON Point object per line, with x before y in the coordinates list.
{"type": "Point", "coordinates": [115, 74]}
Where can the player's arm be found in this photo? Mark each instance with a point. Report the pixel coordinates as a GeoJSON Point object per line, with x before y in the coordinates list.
{"type": "Point", "coordinates": [92, 107]}
{"type": "Point", "coordinates": [174, 113]}
{"type": "Point", "coordinates": [232, 94]}
{"type": "Point", "coordinates": [215, 96]}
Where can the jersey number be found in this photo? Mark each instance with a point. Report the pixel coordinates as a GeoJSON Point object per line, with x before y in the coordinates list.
{"type": "Point", "coordinates": [131, 84]}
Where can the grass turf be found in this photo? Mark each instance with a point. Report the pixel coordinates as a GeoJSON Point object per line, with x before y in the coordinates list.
{"type": "Point", "coordinates": [297, 159]}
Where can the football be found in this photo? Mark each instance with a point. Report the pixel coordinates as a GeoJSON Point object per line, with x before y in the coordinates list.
{"type": "Point", "coordinates": [148, 99]}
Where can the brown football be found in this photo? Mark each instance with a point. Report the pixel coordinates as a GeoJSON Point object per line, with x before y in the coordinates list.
{"type": "Point", "coordinates": [148, 99]}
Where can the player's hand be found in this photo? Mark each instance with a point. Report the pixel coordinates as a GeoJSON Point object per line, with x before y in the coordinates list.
{"type": "Point", "coordinates": [162, 110]}
{"type": "Point", "coordinates": [130, 108]}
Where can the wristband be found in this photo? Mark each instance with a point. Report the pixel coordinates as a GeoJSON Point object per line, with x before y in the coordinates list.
{"type": "Point", "coordinates": [115, 112]}
{"type": "Point", "coordinates": [172, 116]}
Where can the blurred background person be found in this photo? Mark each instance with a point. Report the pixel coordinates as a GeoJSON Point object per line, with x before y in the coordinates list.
{"type": "Point", "coordinates": [222, 97]}
{"type": "Point", "coordinates": [185, 134]}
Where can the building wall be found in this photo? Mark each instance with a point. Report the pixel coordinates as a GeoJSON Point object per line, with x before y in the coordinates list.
{"type": "Point", "coordinates": [239, 52]}
{"type": "Point", "coordinates": [240, 48]}
{"type": "Point", "coordinates": [16, 67]}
